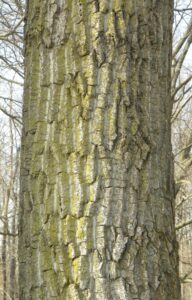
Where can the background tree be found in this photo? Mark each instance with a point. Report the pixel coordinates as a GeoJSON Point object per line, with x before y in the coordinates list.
{"type": "Point", "coordinates": [182, 138]}
{"type": "Point", "coordinates": [11, 84]}
{"type": "Point", "coordinates": [97, 194]}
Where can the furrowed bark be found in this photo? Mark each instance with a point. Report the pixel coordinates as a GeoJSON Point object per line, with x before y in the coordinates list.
{"type": "Point", "coordinates": [97, 195]}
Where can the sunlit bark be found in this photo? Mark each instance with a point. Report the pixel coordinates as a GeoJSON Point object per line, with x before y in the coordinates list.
{"type": "Point", "coordinates": [97, 195]}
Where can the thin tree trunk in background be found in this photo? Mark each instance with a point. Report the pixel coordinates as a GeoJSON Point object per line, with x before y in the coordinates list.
{"type": "Point", "coordinates": [13, 253]}
{"type": "Point", "coordinates": [186, 267]}
{"type": "Point", "coordinates": [4, 243]}
{"type": "Point", "coordinates": [97, 194]}
{"type": "Point", "coordinates": [12, 275]}
{"type": "Point", "coordinates": [8, 188]}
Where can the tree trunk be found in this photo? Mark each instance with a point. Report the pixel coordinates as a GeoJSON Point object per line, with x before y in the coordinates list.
{"type": "Point", "coordinates": [97, 196]}
{"type": "Point", "coordinates": [4, 242]}
{"type": "Point", "coordinates": [13, 255]}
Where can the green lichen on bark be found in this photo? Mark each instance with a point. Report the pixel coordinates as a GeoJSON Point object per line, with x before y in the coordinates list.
{"type": "Point", "coordinates": [96, 210]}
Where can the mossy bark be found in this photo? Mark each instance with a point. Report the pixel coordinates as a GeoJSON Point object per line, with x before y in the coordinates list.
{"type": "Point", "coordinates": [97, 197]}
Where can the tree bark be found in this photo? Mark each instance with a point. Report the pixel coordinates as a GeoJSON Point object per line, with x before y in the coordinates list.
{"type": "Point", "coordinates": [97, 193]}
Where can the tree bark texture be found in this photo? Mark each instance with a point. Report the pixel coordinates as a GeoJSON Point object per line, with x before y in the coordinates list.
{"type": "Point", "coordinates": [97, 196]}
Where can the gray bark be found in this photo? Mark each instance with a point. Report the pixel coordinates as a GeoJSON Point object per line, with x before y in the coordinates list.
{"type": "Point", "coordinates": [97, 194]}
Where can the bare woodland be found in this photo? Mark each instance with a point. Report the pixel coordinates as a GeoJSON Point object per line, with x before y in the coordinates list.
{"type": "Point", "coordinates": [12, 19]}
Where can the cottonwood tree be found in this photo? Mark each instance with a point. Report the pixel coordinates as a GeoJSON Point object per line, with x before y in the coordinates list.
{"type": "Point", "coordinates": [97, 193]}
